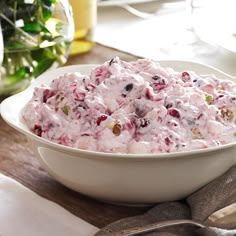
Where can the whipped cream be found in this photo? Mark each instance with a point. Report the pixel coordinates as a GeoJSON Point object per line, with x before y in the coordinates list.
{"type": "Point", "coordinates": [134, 107]}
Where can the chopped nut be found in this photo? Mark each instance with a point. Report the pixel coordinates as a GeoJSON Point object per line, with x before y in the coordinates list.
{"type": "Point", "coordinates": [110, 125]}
{"type": "Point", "coordinates": [227, 114]}
{"type": "Point", "coordinates": [208, 98]}
{"type": "Point", "coordinates": [66, 109]}
{"type": "Point", "coordinates": [220, 87]}
{"type": "Point", "coordinates": [116, 130]}
{"type": "Point", "coordinates": [196, 133]}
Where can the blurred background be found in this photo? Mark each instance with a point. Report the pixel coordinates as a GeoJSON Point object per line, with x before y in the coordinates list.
{"type": "Point", "coordinates": [36, 37]}
{"type": "Point", "coordinates": [198, 30]}
{"type": "Point", "coordinates": [40, 35]}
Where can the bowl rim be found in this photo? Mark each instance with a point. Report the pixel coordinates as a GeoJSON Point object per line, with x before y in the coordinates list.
{"type": "Point", "coordinates": [66, 149]}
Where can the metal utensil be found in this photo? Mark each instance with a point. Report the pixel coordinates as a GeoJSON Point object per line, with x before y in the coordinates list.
{"type": "Point", "coordinates": [146, 15]}
{"type": "Point", "coordinates": [225, 215]}
{"type": "Point", "coordinates": [138, 13]}
{"type": "Point", "coordinates": [151, 227]}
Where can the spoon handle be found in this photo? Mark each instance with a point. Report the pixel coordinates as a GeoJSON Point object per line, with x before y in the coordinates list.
{"type": "Point", "coordinates": [136, 12]}
{"type": "Point", "coordinates": [151, 227]}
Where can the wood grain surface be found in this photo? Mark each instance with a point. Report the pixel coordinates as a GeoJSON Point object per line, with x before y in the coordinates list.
{"type": "Point", "coordinates": [19, 162]}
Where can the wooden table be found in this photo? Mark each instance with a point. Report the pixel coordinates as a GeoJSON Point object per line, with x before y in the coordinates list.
{"type": "Point", "coordinates": [19, 162]}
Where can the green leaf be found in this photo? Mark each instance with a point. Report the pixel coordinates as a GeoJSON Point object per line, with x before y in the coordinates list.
{"type": "Point", "coordinates": [22, 46]}
{"type": "Point", "coordinates": [43, 66]}
{"type": "Point", "coordinates": [14, 44]}
{"type": "Point", "coordinates": [19, 75]}
{"type": "Point", "coordinates": [48, 2]}
{"type": "Point", "coordinates": [47, 11]}
{"type": "Point", "coordinates": [33, 27]}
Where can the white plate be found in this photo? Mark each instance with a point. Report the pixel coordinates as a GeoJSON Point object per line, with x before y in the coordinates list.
{"type": "Point", "coordinates": [104, 3]}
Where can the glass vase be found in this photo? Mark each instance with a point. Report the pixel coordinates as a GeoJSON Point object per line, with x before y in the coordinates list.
{"type": "Point", "coordinates": [36, 35]}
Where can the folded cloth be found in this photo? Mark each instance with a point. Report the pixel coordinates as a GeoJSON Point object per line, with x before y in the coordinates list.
{"type": "Point", "coordinates": [23, 213]}
{"type": "Point", "coordinates": [220, 193]}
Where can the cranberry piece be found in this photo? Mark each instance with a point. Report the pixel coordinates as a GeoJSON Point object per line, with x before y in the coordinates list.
{"type": "Point", "coordinates": [38, 130]}
{"type": "Point", "coordinates": [149, 94]}
{"type": "Point", "coordinates": [186, 77]}
{"type": "Point", "coordinates": [91, 87]}
{"type": "Point", "coordinates": [47, 93]}
{"type": "Point", "coordinates": [100, 119]}
{"type": "Point", "coordinates": [159, 83]}
{"type": "Point", "coordinates": [144, 122]}
{"type": "Point", "coordinates": [140, 112]}
{"type": "Point", "coordinates": [129, 125]}
{"type": "Point", "coordinates": [113, 60]}
{"type": "Point", "coordinates": [156, 77]}
{"type": "Point", "coordinates": [232, 99]}
{"type": "Point", "coordinates": [172, 123]}
{"type": "Point", "coordinates": [129, 87]}
{"type": "Point", "coordinates": [200, 116]}
{"type": "Point", "coordinates": [169, 105]}
{"type": "Point", "coordinates": [168, 141]}
{"type": "Point", "coordinates": [158, 86]}
{"type": "Point", "coordinates": [82, 105]}
{"type": "Point", "coordinates": [174, 112]}
{"type": "Point", "coordinates": [64, 140]}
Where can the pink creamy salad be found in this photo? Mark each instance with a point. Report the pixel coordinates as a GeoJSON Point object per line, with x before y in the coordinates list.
{"type": "Point", "coordinates": [135, 107]}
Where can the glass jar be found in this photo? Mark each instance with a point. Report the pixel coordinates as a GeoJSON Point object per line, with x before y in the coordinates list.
{"type": "Point", "coordinates": [1, 48]}
{"type": "Point", "coordinates": [85, 18]}
{"type": "Point", "coordinates": [37, 35]}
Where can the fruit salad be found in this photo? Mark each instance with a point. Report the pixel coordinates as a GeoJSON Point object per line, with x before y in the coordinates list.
{"type": "Point", "coordinates": [134, 107]}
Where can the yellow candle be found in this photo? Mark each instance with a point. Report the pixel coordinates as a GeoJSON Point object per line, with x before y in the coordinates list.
{"type": "Point", "coordinates": [85, 17]}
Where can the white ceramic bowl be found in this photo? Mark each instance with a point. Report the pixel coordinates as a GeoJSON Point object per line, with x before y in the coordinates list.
{"type": "Point", "coordinates": [122, 178]}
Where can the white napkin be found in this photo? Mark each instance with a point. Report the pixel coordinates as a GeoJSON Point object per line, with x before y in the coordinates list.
{"type": "Point", "coordinates": [168, 35]}
{"type": "Point", "coordinates": [24, 213]}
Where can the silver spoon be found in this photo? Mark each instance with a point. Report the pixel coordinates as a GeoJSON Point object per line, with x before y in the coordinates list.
{"type": "Point", "coordinates": [146, 15]}
{"type": "Point", "coordinates": [152, 227]}
{"type": "Point", "coordinates": [225, 215]}
{"type": "Point", "coordinates": [138, 13]}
